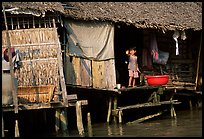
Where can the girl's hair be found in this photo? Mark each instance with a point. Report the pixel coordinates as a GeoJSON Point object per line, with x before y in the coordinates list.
{"type": "Point", "coordinates": [133, 48]}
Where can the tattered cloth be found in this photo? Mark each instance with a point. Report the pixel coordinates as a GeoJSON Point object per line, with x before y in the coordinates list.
{"type": "Point", "coordinates": [92, 40]}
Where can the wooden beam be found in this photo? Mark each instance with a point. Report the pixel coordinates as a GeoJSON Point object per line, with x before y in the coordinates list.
{"type": "Point", "coordinates": [198, 63]}
{"type": "Point", "coordinates": [109, 109]}
{"type": "Point", "coordinates": [60, 64]}
{"type": "Point", "coordinates": [145, 118]}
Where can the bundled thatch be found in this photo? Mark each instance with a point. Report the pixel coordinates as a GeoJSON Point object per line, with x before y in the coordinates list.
{"type": "Point", "coordinates": [34, 8]}
{"type": "Point", "coordinates": [162, 15]}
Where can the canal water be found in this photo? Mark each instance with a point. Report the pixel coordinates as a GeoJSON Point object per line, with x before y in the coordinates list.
{"type": "Point", "coordinates": [187, 124]}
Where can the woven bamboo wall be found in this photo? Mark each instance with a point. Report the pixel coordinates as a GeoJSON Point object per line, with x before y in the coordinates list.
{"type": "Point", "coordinates": [38, 50]}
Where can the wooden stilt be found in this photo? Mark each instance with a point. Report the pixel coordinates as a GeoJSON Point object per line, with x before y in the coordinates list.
{"type": "Point", "coordinates": [63, 121]}
{"type": "Point", "coordinates": [57, 120]}
{"type": "Point", "coordinates": [90, 132]}
{"type": "Point", "coordinates": [16, 129]}
{"type": "Point", "coordinates": [109, 109]}
{"type": "Point", "coordinates": [79, 118]}
{"type": "Point", "coordinates": [2, 126]}
{"type": "Point", "coordinates": [114, 107]}
{"type": "Point", "coordinates": [44, 117]}
{"type": "Point", "coordinates": [190, 105]}
{"type": "Point", "coordinates": [120, 116]}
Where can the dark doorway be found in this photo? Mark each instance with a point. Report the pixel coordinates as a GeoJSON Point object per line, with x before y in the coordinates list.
{"type": "Point", "coordinates": [125, 38]}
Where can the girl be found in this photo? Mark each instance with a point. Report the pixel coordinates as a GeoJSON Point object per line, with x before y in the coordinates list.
{"type": "Point", "coordinates": [132, 66]}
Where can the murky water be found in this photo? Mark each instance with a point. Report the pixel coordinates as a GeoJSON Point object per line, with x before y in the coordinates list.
{"type": "Point", "coordinates": [187, 124]}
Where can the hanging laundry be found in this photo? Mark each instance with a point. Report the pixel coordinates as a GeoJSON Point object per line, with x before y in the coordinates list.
{"type": "Point", "coordinates": [183, 35]}
{"type": "Point", "coordinates": [175, 36]}
{"type": "Point", "coordinates": [16, 59]}
{"type": "Point", "coordinates": [146, 59]}
{"type": "Point", "coordinates": [154, 47]}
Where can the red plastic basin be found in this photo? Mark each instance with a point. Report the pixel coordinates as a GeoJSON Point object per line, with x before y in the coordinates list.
{"type": "Point", "coordinates": [157, 80]}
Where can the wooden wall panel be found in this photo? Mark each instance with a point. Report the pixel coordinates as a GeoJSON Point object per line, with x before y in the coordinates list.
{"type": "Point", "coordinates": [98, 73]}
{"type": "Point", "coordinates": [110, 77]}
{"type": "Point", "coordinates": [70, 76]}
{"type": "Point", "coordinates": [86, 72]}
{"type": "Point", "coordinates": [77, 70]}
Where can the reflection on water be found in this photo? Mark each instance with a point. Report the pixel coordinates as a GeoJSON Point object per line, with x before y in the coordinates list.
{"type": "Point", "coordinates": [187, 124]}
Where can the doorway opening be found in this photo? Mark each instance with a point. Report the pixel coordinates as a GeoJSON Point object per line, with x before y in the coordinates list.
{"type": "Point", "coordinates": [126, 37]}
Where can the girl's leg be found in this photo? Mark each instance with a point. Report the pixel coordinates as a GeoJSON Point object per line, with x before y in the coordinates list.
{"type": "Point", "coordinates": [130, 81]}
{"type": "Point", "coordinates": [133, 84]}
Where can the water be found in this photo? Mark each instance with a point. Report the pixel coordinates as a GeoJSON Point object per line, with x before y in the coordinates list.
{"type": "Point", "coordinates": [187, 124]}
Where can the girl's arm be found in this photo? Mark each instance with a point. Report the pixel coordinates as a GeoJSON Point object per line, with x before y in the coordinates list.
{"type": "Point", "coordinates": [127, 52]}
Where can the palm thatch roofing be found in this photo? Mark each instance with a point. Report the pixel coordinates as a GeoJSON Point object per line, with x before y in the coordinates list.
{"type": "Point", "coordinates": [159, 15]}
{"type": "Point", "coordinates": [34, 8]}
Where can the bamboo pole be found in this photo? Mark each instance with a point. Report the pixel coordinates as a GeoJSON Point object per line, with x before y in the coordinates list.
{"type": "Point", "coordinates": [14, 91]}
{"type": "Point", "coordinates": [198, 63]}
{"type": "Point", "coordinates": [90, 132]}
{"type": "Point", "coordinates": [79, 118]}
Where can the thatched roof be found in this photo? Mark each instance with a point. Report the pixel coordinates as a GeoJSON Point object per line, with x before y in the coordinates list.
{"type": "Point", "coordinates": [162, 15]}
{"type": "Point", "coordinates": [34, 8]}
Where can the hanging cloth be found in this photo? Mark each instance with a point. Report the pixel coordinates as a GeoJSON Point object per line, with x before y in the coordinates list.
{"type": "Point", "coordinates": [154, 47]}
{"type": "Point", "coordinates": [175, 36]}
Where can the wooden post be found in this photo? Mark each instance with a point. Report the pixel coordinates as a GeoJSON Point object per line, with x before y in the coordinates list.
{"type": "Point", "coordinates": [16, 129]}
{"type": "Point", "coordinates": [11, 23]}
{"type": "Point", "coordinates": [79, 118]}
{"type": "Point", "coordinates": [120, 116]}
{"type": "Point", "coordinates": [109, 109]}
{"type": "Point", "coordinates": [14, 89]}
{"type": "Point", "coordinates": [60, 64]}
{"type": "Point", "coordinates": [33, 22]}
{"type": "Point", "coordinates": [173, 112]}
{"type": "Point", "coordinates": [18, 25]}
{"type": "Point", "coordinates": [115, 107]}
{"type": "Point", "coordinates": [44, 117]}
{"type": "Point", "coordinates": [190, 104]}
{"type": "Point", "coordinates": [63, 120]}
{"type": "Point", "coordinates": [28, 24]}
{"type": "Point", "coordinates": [90, 132]}
{"type": "Point", "coordinates": [2, 126]}
{"type": "Point", "coordinates": [57, 120]}
{"type": "Point", "coordinates": [198, 63]}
